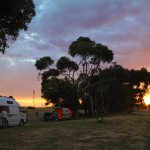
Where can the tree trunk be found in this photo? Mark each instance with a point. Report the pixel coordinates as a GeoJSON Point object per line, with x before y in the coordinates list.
{"type": "Point", "coordinates": [75, 113]}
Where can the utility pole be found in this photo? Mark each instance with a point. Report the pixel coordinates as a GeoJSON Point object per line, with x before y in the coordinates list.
{"type": "Point", "coordinates": [33, 98]}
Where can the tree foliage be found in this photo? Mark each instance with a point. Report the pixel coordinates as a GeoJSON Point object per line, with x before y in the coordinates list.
{"type": "Point", "coordinates": [81, 47]}
{"type": "Point", "coordinates": [44, 63]}
{"type": "Point", "coordinates": [64, 64]}
{"type": "Point", "coordinates": [15, 15]}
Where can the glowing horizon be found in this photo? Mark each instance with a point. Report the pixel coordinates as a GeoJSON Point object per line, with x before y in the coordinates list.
{"type": "Point", "coordinates": [147, 99]}
{"type": "Point", "coordinates": [25, 102]}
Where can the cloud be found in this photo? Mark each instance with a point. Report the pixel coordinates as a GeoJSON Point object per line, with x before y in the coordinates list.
{"type": "Point", "coordinates": [18, 76]}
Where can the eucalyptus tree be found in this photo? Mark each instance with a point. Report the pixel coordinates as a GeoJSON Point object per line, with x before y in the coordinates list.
{"type": "Point", "coordinates": [15, 15]}
{"type": "Point", "coordinates": [57, 83]}
{"type": "Point", "coordinates": [130, 88]}
{"type": "Point", "coordinates": [48, 75]}
{"type": "Point", "coordinates": [103, 90]}
{"type": "Point", "coordinates": [67, 68]}
{"type": "Point", "coordinates": [91, 55]}
{"type": "Point", "coordinates": [120, 90]}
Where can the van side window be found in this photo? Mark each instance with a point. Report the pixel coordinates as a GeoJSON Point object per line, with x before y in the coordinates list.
{"type": "Point", "coordinates": [9, 102]}
{"type": "Point", "coordinates": [5, 108]}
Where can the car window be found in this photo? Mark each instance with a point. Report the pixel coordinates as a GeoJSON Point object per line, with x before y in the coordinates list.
{"type": "Point", "coordinates": [5, 108]}
{"type": "Point", "coordinates": [9, 102]}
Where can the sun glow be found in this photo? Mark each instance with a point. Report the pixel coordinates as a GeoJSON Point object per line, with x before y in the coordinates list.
{"type": "Point", "coordinates": [38, 102]}
{"type": "Point", "coordinates": [147, 99]}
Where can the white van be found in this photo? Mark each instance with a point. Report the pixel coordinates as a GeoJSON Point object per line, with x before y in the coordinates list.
{"type": "Point", "coordinates": [11, 113]}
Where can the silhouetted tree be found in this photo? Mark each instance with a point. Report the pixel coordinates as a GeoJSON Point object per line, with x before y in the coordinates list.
{"type": "Point", "coordinates": [91, 56]}
{"type": "Point", "coordinates": [15, 15]}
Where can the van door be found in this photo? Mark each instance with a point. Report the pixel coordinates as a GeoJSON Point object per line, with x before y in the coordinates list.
{"type": "Point", "coordinates": [65, 113]}
{"type": "Point", "coordinates": [6, 109]}
{"type": "Point", "coordinates": [14, 115]}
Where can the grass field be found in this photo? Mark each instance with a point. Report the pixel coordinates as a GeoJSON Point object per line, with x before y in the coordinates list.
{"type": "Point", "coordinates": [118, 132]}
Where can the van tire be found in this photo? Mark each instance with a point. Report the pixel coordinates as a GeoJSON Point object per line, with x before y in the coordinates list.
{"type": "Point", "coordinates": [21, 123]}
{"type": "Point", "coordinates": [4, 123]}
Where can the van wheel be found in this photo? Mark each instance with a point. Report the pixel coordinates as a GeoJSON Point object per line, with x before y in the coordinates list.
{"type": "Point", "coordinates": [4, 123]}
{"type": "Point", "coordinates": [21, 122]}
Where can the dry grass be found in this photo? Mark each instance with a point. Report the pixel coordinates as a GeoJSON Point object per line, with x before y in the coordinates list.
{"type": "Point", "coordinates": [117, 132]}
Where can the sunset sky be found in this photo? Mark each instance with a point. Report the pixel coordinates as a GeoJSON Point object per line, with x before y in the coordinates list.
{"type": "Point", "coordinates": [122, 25]}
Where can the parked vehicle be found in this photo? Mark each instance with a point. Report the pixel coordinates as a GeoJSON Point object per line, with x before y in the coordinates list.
{"type": "Point", "coordinates": [59, 113]}
{"type": "Point", "coordinates": [63, 113]}
{"type": "Point", "coordinates": [11, 113]}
